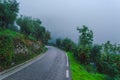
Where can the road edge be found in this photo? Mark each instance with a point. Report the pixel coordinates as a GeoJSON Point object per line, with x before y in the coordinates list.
{"type": "Point", "coordinates": [21, 66]}
{"type": "Point", "coordinates": [68, 72]}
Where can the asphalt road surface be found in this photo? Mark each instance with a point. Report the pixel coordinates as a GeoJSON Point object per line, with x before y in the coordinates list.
{"type": "Point", "coordinates": [53, 66]}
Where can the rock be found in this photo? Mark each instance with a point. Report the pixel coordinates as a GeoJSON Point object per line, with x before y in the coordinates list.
{"type": "Point", "coordinates": [20, 47]}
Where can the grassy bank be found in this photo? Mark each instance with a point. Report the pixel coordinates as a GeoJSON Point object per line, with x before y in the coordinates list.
{"type": "Point", "coordinates": [78, 71]}
{"type": "Point", "coordinates": [16, 48]}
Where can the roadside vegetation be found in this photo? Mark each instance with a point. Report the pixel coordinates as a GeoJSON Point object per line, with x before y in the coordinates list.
{"type": "Point", "coordinates": [21, 38]}
{"type": "Point", "coordinates": [93, 58]}
{"type": "Point", "coordinates": [79, 72]}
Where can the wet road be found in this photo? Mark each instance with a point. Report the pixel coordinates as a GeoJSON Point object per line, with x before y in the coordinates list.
{"type": "Point", "coordinates": [53, 66]}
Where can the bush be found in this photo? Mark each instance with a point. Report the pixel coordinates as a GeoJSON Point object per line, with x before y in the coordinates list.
{"type": "Point", "coordinates": [84, 55]}
{"type": "Point", "coordinates": [32, 38]}
{"type": "Point", "coordinates": [90, 68]}
{"type": "Point", "coordinates": [95, 53]}
{"type": "Point", "coordinates": [6, 50]}
{"type": "Point", "coordinates": [109, 64]}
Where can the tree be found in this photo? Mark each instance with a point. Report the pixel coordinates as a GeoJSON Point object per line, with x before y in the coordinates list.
{"type": "Point", "coordinates": [68, 45]}
{"type": "Point", "coordinates": [26, 25]}
{"type": "Point", "coordinates": [85, 43]}
{"type": "Point", "coordinates": [95, 53]}
{"type": "Point", "coordinates": [109, 62]}
{"type": "Point", "coordinates": [32, 27]}
{"type": "Point", "coordinates": [58, 42]}
{"type": "Point", "coordinates": [86, 37]}
{"type": "Point", "coordinates": [40, 33]}
{"type": "Point", "coordinates": [8, 12]}
{"type": "Point", "coordinates": [38, 29]}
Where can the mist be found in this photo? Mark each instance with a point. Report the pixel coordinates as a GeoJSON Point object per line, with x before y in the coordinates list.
{"type": "Point", "coordinates": [62, 17]}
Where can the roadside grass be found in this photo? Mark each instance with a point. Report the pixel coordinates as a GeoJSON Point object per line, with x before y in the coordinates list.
{"type": "Point", "coordinates": [78, 71]}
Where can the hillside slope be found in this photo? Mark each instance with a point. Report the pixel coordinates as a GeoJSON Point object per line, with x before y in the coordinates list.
{"type": "Point", "coordinates": [16, 48]}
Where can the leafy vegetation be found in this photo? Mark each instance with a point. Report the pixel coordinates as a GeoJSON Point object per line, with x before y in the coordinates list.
{"type": "Point", "coordinates": [6, 50]}
{"type": "Point", "coordinates": [19, 43]}
{"type": "Point", "coordinates": [104, 59]}
{"type": "Point", "coordinates": [10, 41]}
{"type": "Point", "coordinates": [85, 44]}
{"type": "Point", "coordinates": [87, 59]}
{"type": "Point", "coordinates": [109, 62]}
{"type": "Point", "coordinates": [66, 44]}
{"type": "Point", "coordinates": [11, 33]}
{"type": "Point", "coordinates": [26, 24]}
{"type": "Point", "coordinates": [8, 12]}
{"type": "Point", "coordinates": [32, 28]}
{"type": "Point", "coordinates": [79, 72]}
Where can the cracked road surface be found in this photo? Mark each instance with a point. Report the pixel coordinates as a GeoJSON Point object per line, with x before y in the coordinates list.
{"type": "Point", "coordinates": [51, 67]}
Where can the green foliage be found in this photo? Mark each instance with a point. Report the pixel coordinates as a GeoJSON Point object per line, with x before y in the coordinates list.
{"type": "Point", "coordinates": [58, 42]}
{"type": "Point", "coordinates": [95, 53]}
{"type": "Point", "coordinates": [85, 43]}
{"type": "Point", "coordinates": [6, 50]}
{"type": "Point", "coordinates": [9, 41]}
{"type": "Point", "coordinates": [90, 68]}
{"type": "Point", "coordinates": [32, 27]}
{"type": "Point", "coordinates": [40, 33]}
{"type": "Point", "coordinates": [84, 58]}
{"type": "Point", "coordinates": [6, 46]}
{"type": "Point", "coordinates": [12, 34]}
{"type": "Point", "coordinates": [79, 72]}
{"type": "Point", "coordinates": [34, 33]}
{"type": "Point", "coordinates": [86, 36]}
{"type": "Point", "coordinates": [26, 25]}
{"type": "Point", "coordinates": [8, 12]}
{"type": "Point", "coordinates": [103, 58]}
{"type": "Point", "coordinates": [66, 44]}
{"type": "Point", "coordinates": [109, 64]}
{"type": "Point", "coordinates": [32, 38]}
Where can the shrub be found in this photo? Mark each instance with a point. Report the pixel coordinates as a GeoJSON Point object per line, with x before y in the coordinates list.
{"type": "Point", "coordinates": [95, 53]}
{"type": "Point", "coordinates": [6, 50]}
{"type": "Point", "coordinates": [84, 55]}
{"type": "Point", "coordinates": [109, 64]}
{"type": "Point", "coordinates": [32, 38]}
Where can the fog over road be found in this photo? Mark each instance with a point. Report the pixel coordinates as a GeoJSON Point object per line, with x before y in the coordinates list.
{"type": "Point", "coordinates": [52, 66]}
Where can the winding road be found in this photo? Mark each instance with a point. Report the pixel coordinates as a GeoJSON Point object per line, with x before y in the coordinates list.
{"type": "Point", "coordinates": [52, 66]}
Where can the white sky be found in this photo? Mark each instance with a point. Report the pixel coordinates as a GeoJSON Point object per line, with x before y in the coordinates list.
{"type": "Point", "coordinates": [61, 17]}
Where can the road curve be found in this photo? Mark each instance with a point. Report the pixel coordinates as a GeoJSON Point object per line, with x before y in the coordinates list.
{"type": "Point", "coordinates": [53, 66]}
